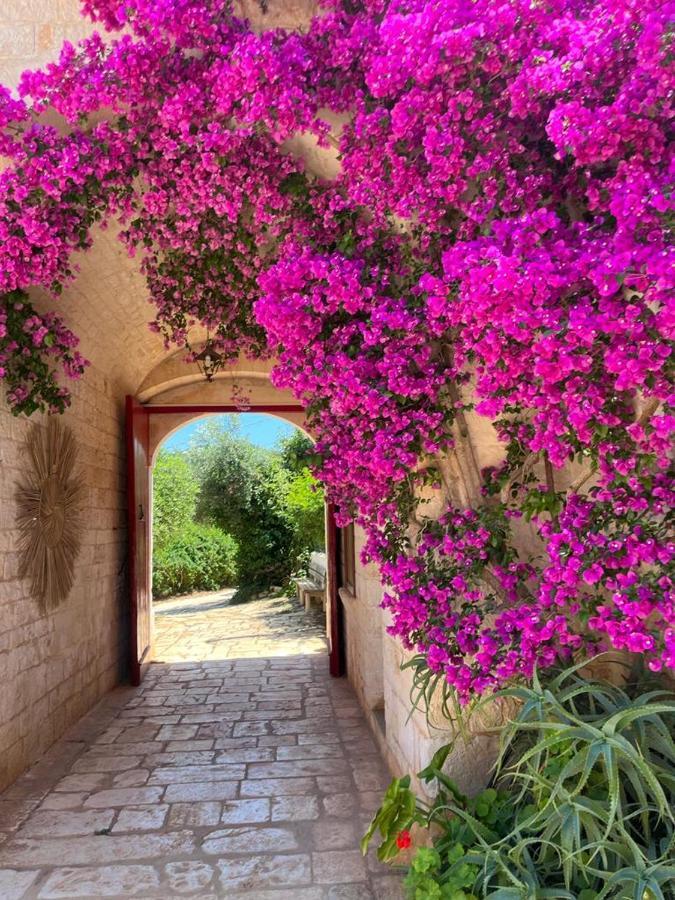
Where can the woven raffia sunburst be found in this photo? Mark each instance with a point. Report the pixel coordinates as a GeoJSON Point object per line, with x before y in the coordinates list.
{"type": "Point", "coordinates": [49, 514]}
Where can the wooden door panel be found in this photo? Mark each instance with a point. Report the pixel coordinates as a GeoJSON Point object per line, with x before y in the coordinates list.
{"type": "Point", "coordinates": [138, 502]}
{"type": "Point", "coordinates": [334, 623]}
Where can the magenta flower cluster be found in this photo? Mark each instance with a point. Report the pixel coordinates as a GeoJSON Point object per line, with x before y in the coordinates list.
{"type": "Point", "coordinates": [497, 237]}
{"type": "Point", "coordinates": [29, 343]}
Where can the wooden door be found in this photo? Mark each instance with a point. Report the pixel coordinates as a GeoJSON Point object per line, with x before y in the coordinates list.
{"type": "Point", "coordinates": [138, 502]}
{"type": "Point", "coordinates": [334, 620]}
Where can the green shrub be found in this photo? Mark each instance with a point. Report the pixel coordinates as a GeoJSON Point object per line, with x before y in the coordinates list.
{"type": "Point", "coordinates": [265, 537]}
{"type": "Point", "coordinates": [200, 558]}
{"type": "Point", "coordinates": [266, 500]}
{"type": "Point", "coordinates": [242, 491]}
{"type": "Point", "coordinates": [581, 805]}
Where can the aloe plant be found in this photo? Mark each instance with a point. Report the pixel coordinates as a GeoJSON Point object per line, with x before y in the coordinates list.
{"type": "Point", "coordinates": [581, 804]}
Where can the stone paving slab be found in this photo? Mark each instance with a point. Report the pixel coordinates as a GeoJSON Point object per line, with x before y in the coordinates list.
{"type": "Point", "coordinates": [238, 769]}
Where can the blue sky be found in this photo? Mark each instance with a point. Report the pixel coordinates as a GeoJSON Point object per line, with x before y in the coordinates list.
{"type": "Point", "coordinates": [261, 429]}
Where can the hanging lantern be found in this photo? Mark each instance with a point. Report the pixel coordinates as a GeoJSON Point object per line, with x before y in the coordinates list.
{"type": "Point", "coordinates": [209, 360]}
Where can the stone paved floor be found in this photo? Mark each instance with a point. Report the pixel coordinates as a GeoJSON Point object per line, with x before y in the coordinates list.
{"type": "Point", "coordinates": [238, 769]}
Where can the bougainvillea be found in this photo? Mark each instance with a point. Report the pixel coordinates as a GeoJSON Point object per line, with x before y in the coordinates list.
{"type": "Point", "coordinates": [497, 237]}
{"type": "Point", "coordinates": [32, 346]}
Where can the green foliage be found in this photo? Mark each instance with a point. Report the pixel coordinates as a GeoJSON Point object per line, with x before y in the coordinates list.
{"type": "Point", "coordinates": [537, 502]}
{"type": "Point", "coordinates": [424, 881]}
{"type": "Point", "coordinates": [428, 685]}
{"type": "Point", "coordinates": [297, 452]}
{"type": "Point", "coordinates": [581, 803]}
{"type": "Point", "coordinates": [294, 184]}
{"type": "Point", "coordinates": [265, 536]}
{"type": "Point", "coordinates": [264, 499]}
{"type": "Point", "coordinates": [305, 510]}
{"type": "Point", "coordinates": [198, 558]}
{"type": "Point", "coordinates": [227, 467]}
{"type": "Point", "coordinates": [303, 498]}
{"type": "Point", "coordinates": [175, 491]}
{"type": "Point", "coordinates": [398, 812]}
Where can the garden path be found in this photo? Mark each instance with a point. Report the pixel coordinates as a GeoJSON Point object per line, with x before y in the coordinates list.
{"type": "Point", "coordinates": [238, 769]}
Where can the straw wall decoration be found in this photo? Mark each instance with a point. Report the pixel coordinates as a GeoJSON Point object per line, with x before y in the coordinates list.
{"type": "Point", "coordinates": [49, 508]}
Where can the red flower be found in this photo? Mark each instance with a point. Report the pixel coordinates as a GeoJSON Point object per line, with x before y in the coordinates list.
{"type": "Point", "coordinates": [403, 841]}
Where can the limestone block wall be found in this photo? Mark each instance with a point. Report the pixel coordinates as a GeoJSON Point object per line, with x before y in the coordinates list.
{"type": "Point", "coordinates": [364, 635]}
{"type": "Point", "coordinates": [412, 737]}
{"type": "Point", "coordinates": [407, 738]}
{"type": "Point", "coordinates": [32, 32]}
{"type": "Point", "coordinates": [55, 666]}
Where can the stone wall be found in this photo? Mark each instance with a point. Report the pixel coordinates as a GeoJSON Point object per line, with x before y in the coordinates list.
{"type": "Point", "coordinates": [413, 736]}
{"type": "Point", "coordinates": [407, 738]}
{"type": "Point", "coordinates": [364, 635]}
{"type": "Point", "coordinates": [55, 666]}
{"type": "Point", "coordinates": [374, 658]}
{"type": "Point", "coordinates": [32, 32]}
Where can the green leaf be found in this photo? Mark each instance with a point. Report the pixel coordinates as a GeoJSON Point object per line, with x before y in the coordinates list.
{"type": "Point", "coordinates": [294, 184]}
{"type": "Point", "coordinates": [426, 859]}
{"type": "Point", "coordinates": [436, 763]}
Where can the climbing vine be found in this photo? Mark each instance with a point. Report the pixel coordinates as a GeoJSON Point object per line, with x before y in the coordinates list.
{"type": "Point", "coordinates": [496, 241]}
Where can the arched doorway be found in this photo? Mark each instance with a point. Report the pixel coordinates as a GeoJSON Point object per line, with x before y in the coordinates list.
{"type": "Point", "coordinates": [169, 398]}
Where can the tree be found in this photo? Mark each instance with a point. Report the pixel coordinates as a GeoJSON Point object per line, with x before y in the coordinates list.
{"type": "Point", "coordinates": [243, 491]}
{"type": "Point", "coordinates": [297, 451]}
{"type": "Point", "coordinates": [225, 465]}
{"type": "Point", "coordinates": [304, 497]}
{"type": "Point", "coordinates": [305, 509]}
{"type": "Point", "coordinates": [267, 537]}
{"type": "Point", "coordinates": [175, 491]}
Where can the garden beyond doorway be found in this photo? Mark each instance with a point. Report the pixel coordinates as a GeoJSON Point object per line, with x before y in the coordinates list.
{"type": "Point", "coordinates": [234, 506]}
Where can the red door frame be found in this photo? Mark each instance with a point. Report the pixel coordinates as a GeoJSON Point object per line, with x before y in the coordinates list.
{"type": "Point", "coordinates": [137, 427]}
{"type": "Point", "coordinates": [335, 631]}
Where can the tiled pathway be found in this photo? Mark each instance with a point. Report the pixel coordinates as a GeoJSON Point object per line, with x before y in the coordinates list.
{"type": "Point", "coordinates": [233, 773]}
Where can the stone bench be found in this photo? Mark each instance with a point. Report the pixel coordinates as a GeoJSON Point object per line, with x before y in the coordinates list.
{"type": "Point", "coordinates": [313, 585]}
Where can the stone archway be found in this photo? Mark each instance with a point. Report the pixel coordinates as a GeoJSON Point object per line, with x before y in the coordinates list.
{"type": "Point", "coordinates": [170, 397]}
{"type": "Point", "coordinates": [172, 383]}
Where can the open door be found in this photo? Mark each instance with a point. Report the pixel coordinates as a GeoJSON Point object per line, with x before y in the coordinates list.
{"type": "Point", "coordinates": [334, 622]}
{"type": "Point", "coordinates": [138, 503]}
